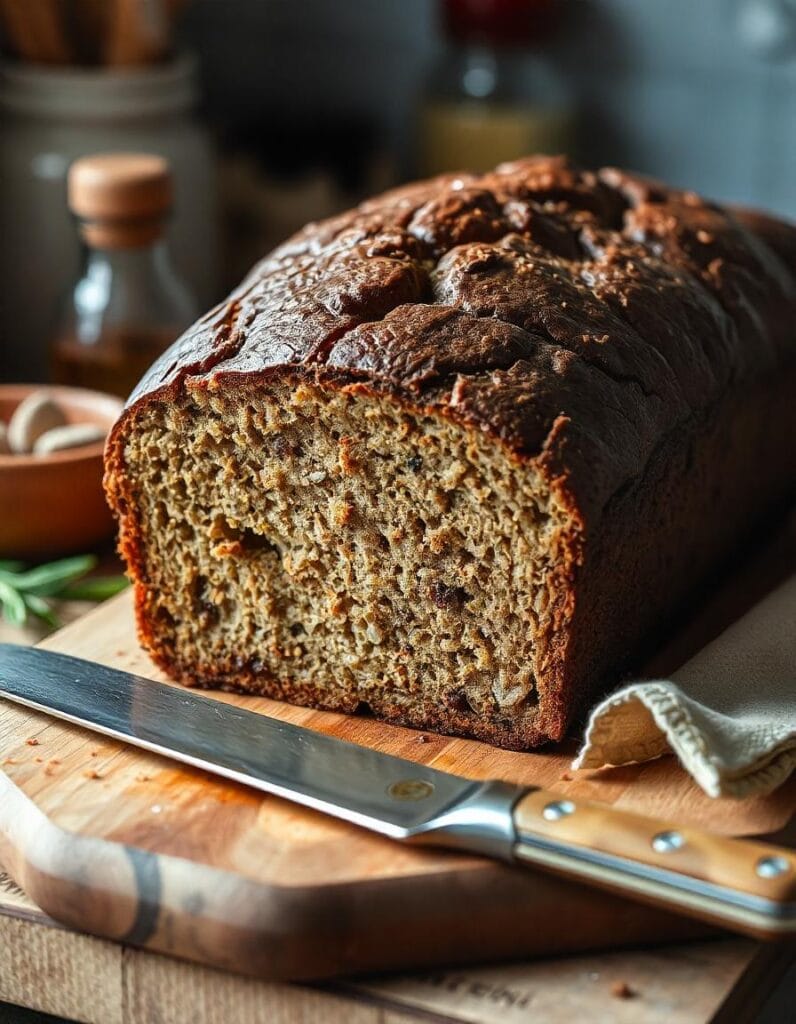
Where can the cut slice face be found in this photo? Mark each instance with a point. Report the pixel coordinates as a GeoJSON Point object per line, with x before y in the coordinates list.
{"type": "Point", "coordinates": [341, 550]}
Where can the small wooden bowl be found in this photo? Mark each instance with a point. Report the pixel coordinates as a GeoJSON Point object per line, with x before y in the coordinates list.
{"type": "Point", "coordinates": [54, 504]}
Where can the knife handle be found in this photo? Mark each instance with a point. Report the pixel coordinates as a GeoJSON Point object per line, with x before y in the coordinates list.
{"type": "Point", "coordinates": [743, 885]}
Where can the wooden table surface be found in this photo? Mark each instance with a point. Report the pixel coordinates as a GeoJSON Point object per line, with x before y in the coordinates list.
{"type": "Point", "coordinates": [47, 967]}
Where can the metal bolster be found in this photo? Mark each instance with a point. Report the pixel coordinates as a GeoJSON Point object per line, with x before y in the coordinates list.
{"type": "Point", "coordinates": [481, 823]}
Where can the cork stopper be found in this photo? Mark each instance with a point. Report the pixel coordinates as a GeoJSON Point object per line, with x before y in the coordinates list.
{"type": "Point", "coordinates": [120, 198]}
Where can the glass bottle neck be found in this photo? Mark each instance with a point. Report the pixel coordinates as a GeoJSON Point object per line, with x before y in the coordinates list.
{"type": "Point", "coordinates": [137, 261]}
{"type": "Point", "coordinates": [133, 289]}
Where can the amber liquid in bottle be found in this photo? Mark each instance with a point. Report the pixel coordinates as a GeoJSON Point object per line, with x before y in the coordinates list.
{"type": "Point", "coordinates": [116, 365]}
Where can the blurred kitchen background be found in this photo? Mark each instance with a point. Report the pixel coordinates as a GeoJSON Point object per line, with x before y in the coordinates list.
{"type": "Point", "coordinates": [274, 112]}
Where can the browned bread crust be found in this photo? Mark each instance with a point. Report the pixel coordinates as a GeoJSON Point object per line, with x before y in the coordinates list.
{"type": "Point", "coordinates": [633, 344]}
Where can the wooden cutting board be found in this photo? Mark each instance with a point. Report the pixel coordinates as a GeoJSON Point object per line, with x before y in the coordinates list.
{"type": "Point", "coordinates": [132, 847]}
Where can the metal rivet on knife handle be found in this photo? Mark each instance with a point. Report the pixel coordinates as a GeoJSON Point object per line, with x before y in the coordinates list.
{"type": "Point", "coordinates": [558, 809]}
{"type": "Point", "coordinates": [772, 867]}
{"type": "Point", "coordinates": [667, 842]}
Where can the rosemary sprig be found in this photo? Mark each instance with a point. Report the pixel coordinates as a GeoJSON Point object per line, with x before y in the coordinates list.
{"type": "Point", "coordinates": [33, 591]}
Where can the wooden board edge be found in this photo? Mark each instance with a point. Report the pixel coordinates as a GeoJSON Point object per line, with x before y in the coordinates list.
{"type": "Point", "coordinates": [197, 912]}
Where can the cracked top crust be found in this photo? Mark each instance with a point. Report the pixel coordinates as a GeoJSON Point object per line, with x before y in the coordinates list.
{"type": "Point", "coordinates": [577, 316]}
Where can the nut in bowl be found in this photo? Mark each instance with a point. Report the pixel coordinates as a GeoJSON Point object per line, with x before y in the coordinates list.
{"type": "Point", "coordinates": [51, 445]}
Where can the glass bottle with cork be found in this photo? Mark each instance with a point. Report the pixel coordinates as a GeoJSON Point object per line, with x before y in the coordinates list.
{"type": "Point", "coordinates": [129, 304]}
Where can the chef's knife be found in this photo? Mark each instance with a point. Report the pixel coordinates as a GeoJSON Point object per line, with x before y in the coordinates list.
{"type": "Point", "coordinates": [746, 886]}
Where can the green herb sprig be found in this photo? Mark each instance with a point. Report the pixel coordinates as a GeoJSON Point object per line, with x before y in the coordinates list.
{"type": "Point", "coordinates": [33, 591]}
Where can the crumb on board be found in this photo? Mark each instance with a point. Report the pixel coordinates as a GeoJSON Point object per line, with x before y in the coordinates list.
{"type": "Point", "coordinates": [95, 753]}
{"type": "Point", "coordinates": [567, 776]}
{"type": "Point", "coordinates": [93, 774]}
{"type": "Point", "coordinates": [49, 770]}
{"type": "Point", "coordinates": [38, 760]}
{"type": "Point", "coordinates": [621, 990]}
{"type": "Point", "coordinates": [55, 760]}
{"type": "Point", "coordinates": [32, 741]}
{"type": "Point", "coordinates": [422, 738]}
{"type": "Point", "coordinates": [143, 777]}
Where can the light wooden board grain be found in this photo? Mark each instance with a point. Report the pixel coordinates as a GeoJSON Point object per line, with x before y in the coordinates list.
{"type": "Point", "coordinates": [130, 846]}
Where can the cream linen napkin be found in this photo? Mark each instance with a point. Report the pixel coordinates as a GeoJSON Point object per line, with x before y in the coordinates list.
{"type": "Point", "coordinates": [729, 714]}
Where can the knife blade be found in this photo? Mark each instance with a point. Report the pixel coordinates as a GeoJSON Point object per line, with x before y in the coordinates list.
{"type": "Point", "coordinates": [743, 885]}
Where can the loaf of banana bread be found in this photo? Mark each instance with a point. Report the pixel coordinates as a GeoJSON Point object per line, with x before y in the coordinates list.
{"type": "Point", "coordinates": [454, 456]}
